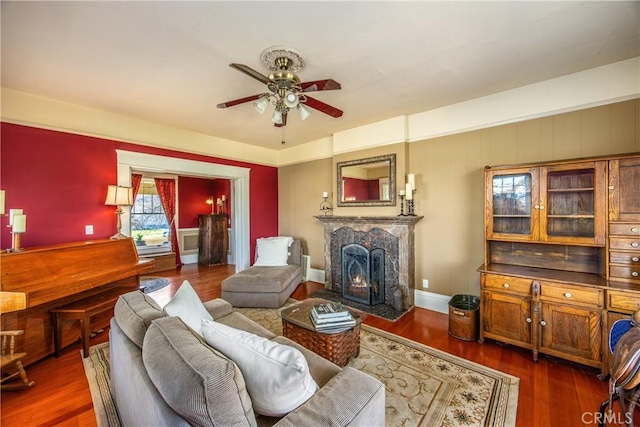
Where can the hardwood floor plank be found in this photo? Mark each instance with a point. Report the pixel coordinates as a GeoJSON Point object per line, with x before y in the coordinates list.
{"type": "Point", "coordinates": [551, 392]}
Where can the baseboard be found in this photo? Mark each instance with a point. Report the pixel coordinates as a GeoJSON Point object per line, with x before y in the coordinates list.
{"type": "Point", "coordinates": [316, 275]}
{"type": "Point", "coordinates": [189, 259]}
{"type": "Point", "coordinates": [431, 301]}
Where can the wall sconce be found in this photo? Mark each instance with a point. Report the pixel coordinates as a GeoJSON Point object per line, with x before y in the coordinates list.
{"type": "Point", "coordinates": [18, 224]}
{"type": "Point", "coordinates": [325, 205]}
{"type": "Point", "coordinates": [119, 196]}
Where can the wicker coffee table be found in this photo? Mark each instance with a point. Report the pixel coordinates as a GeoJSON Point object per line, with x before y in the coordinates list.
{"type": "Point", "coordinates": [339, 347]}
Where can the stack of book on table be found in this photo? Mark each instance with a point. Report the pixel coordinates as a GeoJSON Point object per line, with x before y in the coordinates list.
{"type": "Point", "coordinates": [331, 317]}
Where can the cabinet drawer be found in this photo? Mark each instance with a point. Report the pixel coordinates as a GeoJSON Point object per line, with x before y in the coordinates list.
{"type": "Point", "coordinates": [624, 229]}
{"type": "Point", "coordinates": [624, 302]}
{"type": "Point", "coordinates": [627, 258]}
{"type": "Point", "coordinates": [507, 283]}
{"type": "Point", "coordinates": [624, 272]}
{"type": "Point", "coordinates": [571, 294]}
{"type": "Point", "coordinates": [624, 243]}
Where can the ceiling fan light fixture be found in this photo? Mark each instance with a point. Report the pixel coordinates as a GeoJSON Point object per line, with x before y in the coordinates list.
{"type": "Point", "coordinates": [304, 112]}
{"type": "Point", "coordinates": [261, 104]}
{"type": "Point", "coordinates": [291, 99]}
{"type": "Point", "coordinates": [277, 117]}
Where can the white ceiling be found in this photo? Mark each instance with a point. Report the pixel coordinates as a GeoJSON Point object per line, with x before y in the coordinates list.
{"type": "Point", "coordinates": [167, 62]}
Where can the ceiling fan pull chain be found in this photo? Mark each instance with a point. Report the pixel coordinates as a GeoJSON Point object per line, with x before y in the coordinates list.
{"type": "Point", "coordinates": [283, 141]}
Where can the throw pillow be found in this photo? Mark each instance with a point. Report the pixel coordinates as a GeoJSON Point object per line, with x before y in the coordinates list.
{"type": "Point", "coordinates": [272, 251]}
{"type": "Point", "coordinates": [187, 306]}
{"type": "Point", "coordinates": [277, 375]}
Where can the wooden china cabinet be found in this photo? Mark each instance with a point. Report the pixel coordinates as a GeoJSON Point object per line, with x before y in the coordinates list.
{"type": "Point", "coordinates": [212, 239]}
{"type": "Point", "coordinates": [557, 269]}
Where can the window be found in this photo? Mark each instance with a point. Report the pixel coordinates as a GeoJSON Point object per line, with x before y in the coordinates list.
{"type": "Point", "coordinates": [149, 226]}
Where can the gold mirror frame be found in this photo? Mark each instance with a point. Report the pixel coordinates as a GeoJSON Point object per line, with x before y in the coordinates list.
{"type": "Point", "coordinates": [390, 159]}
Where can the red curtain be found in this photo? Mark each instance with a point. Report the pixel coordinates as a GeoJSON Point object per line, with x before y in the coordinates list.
{"type": "Point", "coordinates": [136, 179]}
{"type": "Point", "coordinates": [167, 192]}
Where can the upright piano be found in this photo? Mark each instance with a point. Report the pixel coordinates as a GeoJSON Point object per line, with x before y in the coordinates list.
{"type": "Point", "coordinates": [36, 280]}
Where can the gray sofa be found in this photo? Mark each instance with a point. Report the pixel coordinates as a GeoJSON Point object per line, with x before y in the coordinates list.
{"type": "Point", "coordinates": [164, 374]}
{"type": "Point", "coordinates": [265, 286]}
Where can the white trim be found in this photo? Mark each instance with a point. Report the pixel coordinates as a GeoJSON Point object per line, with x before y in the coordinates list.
{"type": "Point", "coordinates": [189, 259]}
{"type": "Point", "coordinates": [239, 177]}
{"type": "Point", "coordinates": [590, 88]}
{"type": "Point", "coordinates": [431, 301]}
{"type": "Point", "coordinates": [316, 275]}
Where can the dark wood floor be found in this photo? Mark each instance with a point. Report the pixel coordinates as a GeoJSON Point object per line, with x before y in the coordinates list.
{"type": "Point", "coordinates": [552, 392]}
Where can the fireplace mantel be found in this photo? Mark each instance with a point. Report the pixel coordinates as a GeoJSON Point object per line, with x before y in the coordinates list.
{"type": "Point", "coordinates": [390, 220]}
{"type": "Point", "coordinates": [401, 227]}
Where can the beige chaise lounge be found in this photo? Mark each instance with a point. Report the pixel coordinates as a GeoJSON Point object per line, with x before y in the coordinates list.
{"type": "Point", "coordinates": [259, 286]}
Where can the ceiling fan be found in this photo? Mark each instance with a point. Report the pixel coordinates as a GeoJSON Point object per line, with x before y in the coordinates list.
{"type": "Point", "coordinates": [286, 90]}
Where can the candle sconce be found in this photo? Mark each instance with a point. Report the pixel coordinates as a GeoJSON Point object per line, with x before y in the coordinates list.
{"type": "Point", "coordinates": [325, 205]}
{"type": "Point", "coordinates": [401, 196]}
{"type": "Point", "coordinates": [410, 204]}
{"type": "Point", "coordinates": [18, 224]}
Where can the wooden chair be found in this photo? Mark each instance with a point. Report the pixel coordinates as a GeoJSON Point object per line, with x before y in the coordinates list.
{"type": "Point", "coordinates": [11, 359]}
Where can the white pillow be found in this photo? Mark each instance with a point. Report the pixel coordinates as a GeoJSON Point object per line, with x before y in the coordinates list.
{"type": "Point", "coordinates": [187, 306]}
{"type": "Point", "coordinates": [277, 375]}
{"type": "Point", "coordinates": [272, 251]}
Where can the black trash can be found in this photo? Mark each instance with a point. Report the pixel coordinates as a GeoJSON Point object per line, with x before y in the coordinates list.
{"type": "Point", "coordinates": [463, 317]}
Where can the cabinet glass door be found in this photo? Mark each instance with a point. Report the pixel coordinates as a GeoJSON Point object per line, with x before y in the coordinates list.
{"type": "Point", "coordinates": [510, 196]}
{"type": "Point", "coordinates": [569, 204]}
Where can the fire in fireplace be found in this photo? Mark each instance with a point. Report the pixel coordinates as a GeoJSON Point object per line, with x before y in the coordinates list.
{"type": "Point", "coordinates": [363, 274]}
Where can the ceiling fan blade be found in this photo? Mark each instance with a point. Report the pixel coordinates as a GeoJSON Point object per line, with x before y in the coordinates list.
{"type": "Point", "coordinates": [239, 101]}
{"type": "Point", "coordinates": [323, 108]}
{"type": "Point", "coordinates": [284, 121]}
{"type": "Point", "coordinates": [327, 84]}
{"type": "Point", "coordinates": [251, 72]}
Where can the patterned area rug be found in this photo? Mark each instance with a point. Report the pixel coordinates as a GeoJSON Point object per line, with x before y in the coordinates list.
{"type": "Point", "coordinates": [153, 283]}
{"type": "Point", "coordinates": [424, 386]}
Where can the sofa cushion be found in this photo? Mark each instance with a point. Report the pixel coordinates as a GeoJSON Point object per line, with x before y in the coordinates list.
{"type": "Point", "coordinates": [272, 251]}
{"type": "Point", "coordinates": [134, 312]}
{"type": "Point", "coordinates": [195, 380]}
{"type": "Point", "coordinates": [186, 305]}
{"type": "Point", "coordinates": [278, 377]}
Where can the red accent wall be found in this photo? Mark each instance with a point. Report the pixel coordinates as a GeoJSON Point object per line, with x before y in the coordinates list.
{"type": "Point", "coordinates": [60, 179]}
{"type": "Point", "coordinates": [192, 196]}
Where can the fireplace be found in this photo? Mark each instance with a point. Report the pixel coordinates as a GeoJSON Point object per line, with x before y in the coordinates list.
{"type": "Point", "coordinates": [366, 258]}
{"type": "Point", "coordinates": [363, 274]}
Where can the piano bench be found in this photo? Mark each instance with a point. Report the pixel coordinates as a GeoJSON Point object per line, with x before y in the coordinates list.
{"type": "Point", "coordinates": [81, 310]}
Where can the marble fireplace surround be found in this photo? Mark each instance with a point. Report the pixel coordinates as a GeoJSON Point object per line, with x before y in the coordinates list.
{"type": "Point", "coordinates": [395, 234]}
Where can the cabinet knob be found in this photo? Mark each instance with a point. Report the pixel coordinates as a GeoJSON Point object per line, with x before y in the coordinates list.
{"type": "Point", "coordinates": [506, 286]}
{"type": "Point", "coordinates": [611, 187]}
{"type": "Point", "coordinates": [536, 206]}
{"type": "Point", "coordinates": [529, 320]}
{"type": "Point", "coordinates": [635, 259]}
{"type": "Point", "coordinates": [543, 323]}
{"type": "Point", "coordinates": [567, 295]}
{"type": "Point", "coordinates": [635, 244]}
{"type": "Point", "coordinates": [635, 229]}
{"type": "Point", "coordinates": [635, 274]}
{"type": "Point", "coordinates": [541, 207]}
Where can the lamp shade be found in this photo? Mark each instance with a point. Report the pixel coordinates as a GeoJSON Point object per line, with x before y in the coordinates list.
{"type": "Point", "coordinates": [261, 104]}
{"type": "Point", "coordinates": [118, 195]}
{"type": "Point", "coordinates": [291, 99]}
{"type": "Point", "coordinates": [304, 111]}
{"type": "Point", "coordinates": [277, 117]}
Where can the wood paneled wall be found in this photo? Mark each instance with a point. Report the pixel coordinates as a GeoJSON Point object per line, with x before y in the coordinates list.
{"type": "Point", "coordinates": [449, 179]}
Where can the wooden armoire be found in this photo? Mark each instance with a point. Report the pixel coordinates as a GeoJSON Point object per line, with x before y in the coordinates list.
{"type": "Point", "coordinates": [212, 239]}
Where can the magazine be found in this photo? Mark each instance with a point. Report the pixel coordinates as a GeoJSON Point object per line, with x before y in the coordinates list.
{"type": "Point", "coordinates": [328, 310]}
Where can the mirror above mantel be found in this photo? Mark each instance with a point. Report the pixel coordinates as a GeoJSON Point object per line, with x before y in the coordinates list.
{"type": "Point", "coordinates": [367, 182]}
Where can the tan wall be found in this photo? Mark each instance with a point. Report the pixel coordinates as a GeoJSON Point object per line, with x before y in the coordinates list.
{"type": "Point", "coordinates": [449, 180]}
